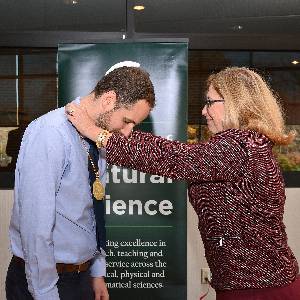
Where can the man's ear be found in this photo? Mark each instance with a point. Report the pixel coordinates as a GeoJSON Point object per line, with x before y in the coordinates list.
{"type": "Point", "coordinates": [109, 100]}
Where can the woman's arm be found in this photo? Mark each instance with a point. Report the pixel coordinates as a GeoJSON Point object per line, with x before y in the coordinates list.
{"type": "Point", "coordinates": [219, 159]}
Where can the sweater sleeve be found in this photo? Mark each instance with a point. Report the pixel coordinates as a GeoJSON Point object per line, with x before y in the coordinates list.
{"type": "Point", "coordinates": [219, 159]}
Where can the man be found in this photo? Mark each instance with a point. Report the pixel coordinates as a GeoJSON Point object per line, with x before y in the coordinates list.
{"type": "Point", "coordinates": [53, 233]}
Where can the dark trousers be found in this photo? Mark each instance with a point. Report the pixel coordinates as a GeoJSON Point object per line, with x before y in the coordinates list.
{"type": "Point", "coordinates": [71, 285]}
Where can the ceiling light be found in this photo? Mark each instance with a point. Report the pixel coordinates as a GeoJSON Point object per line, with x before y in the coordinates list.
{"type": "Point", "coordinates": [71, 2]}
{"type": "Point", "coordinates": [295, 62]}
{"type": "Point", "coordinates": [139, 7]}
{"type": "Point", "coordinates": [237, 27]}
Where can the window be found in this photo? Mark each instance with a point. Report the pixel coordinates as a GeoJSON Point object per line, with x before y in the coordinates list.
{"type": "Point", "coordinates": [28, 89]}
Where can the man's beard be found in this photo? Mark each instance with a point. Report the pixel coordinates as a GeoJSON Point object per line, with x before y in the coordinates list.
{"type": "Point", "coordinates": [103, 120]}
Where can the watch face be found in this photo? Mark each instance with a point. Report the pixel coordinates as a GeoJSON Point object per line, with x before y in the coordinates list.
{"type": "Point", "coordinates": [101, 138]}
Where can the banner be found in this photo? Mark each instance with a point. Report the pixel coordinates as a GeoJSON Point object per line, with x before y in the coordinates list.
{"type": "Point", "coordinates": [145, 214]}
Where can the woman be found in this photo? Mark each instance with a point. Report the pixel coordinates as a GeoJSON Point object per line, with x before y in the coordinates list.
{"type": "Point", "coordinates": [235, 184]}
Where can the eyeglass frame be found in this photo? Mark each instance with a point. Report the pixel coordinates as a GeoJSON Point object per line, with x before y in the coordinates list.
{"type": "Point", "coordinates": [209, 102]}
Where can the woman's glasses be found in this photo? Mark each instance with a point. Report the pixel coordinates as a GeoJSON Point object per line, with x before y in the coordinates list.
{"type": "Point", "coordinates": [209, 102]}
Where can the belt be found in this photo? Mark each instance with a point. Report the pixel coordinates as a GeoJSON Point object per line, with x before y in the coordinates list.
{"type": "Point", "coordinates": [60, 267]}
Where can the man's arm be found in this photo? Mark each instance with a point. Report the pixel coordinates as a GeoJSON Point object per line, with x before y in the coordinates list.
{"type": "Point", "coordinates": [98, 271]}
{"type": "Point", "coordinates": [40, 173]}
{"type": "Point", "coordinates": [100, 289]}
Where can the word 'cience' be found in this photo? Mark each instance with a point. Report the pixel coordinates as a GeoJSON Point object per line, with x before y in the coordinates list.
{"type": "Point", "coordinates": [138, 207]}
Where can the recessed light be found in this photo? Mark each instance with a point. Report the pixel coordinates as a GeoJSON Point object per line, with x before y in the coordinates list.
{"type": "Point", "coordinates": [139, 7]}
{"type": "Point", "coordinates": [295, 62]}
{"type": "Point", "coordinates": [71, 2]}
{"type": "Point", "coordinates": [237, 27]}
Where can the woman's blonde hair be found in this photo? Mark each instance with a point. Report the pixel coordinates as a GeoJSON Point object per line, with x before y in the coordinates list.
{"type": "Point", "coordinates": [250, 103]}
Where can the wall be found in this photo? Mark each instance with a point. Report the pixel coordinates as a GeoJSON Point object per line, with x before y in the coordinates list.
{"type": "Point", "coordinates": [195, 253]}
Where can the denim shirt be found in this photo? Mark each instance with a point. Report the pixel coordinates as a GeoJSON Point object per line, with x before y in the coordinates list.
{"type": "Point", "coordinates": [53, 219]}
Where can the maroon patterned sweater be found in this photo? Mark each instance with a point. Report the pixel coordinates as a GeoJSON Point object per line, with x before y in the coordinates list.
{"type": "Point", "coordinates": [237, 191]}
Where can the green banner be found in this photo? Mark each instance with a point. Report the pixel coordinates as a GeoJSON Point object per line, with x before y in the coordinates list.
{"type": "Point", "coordinates": [145, 214]}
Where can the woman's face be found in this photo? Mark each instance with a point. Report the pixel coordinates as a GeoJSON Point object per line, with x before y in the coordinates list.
{"type": "Point", "coordinates": [214, 111]}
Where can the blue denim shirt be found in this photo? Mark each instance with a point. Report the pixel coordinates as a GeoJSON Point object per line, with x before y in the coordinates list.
{"type": "Point", "coordinates": [53, 219]}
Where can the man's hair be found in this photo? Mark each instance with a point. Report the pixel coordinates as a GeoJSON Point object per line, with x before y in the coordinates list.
{"type": "Point", "coordinates": [130, 84]}
{"type": "Point", "coordinates": [250, 103]}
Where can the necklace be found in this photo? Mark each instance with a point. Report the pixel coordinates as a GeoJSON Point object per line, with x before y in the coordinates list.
{"type": "Point", "coordinates": [98, 188]}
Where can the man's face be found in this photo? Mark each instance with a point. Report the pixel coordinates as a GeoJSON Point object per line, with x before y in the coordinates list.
{"type": "Point", "coordinates": [124, 119]}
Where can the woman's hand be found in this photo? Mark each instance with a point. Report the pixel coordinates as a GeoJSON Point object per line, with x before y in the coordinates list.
{"type": "Point", "coordinates": [79, 117]}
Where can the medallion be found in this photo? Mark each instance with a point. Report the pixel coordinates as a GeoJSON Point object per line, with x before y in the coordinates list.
{"type": "Point", "coordinates": [98, 190]}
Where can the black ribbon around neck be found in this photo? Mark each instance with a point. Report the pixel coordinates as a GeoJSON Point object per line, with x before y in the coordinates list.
{"type": "Point", "coordinates": [97, 204]}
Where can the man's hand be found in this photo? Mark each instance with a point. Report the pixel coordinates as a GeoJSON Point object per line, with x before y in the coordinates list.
{"type": "Point", "coordinates": [100, 289]}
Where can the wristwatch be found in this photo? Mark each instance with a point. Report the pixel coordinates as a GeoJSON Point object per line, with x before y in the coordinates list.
{"type": "Point", "coordinates": [101, 138]}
